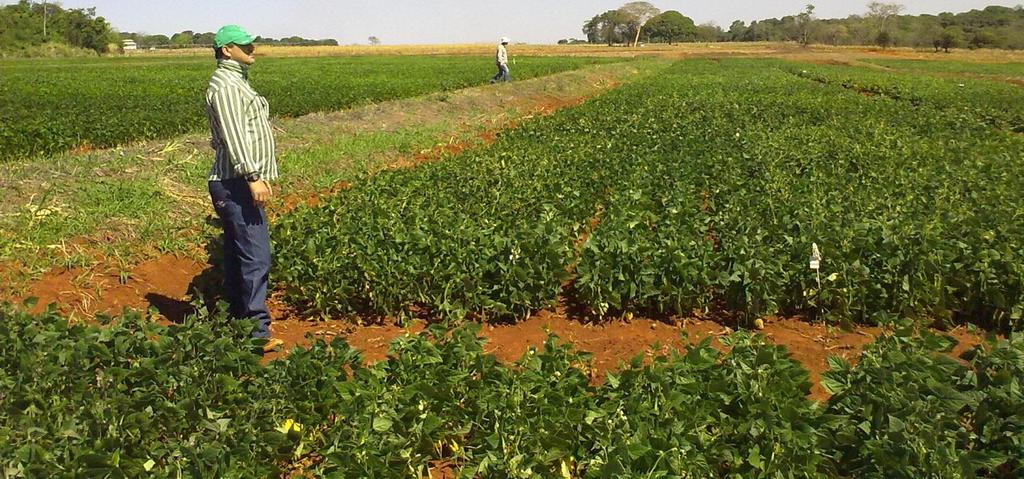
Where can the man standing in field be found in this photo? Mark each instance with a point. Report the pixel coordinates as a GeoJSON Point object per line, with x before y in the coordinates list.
{"type": "Point", "coordinates": [240, 178]}
{"type": "Point", "coordinates": [502, 60]}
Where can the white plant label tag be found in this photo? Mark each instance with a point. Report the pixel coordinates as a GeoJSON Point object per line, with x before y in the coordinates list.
{"type": "Point", "coordinates": [815, 257]}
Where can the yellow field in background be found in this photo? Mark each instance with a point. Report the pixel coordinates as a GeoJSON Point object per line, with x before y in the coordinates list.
{"type": "Point", "coordinates": [541, 50]}
{"type": "Point", "coordinates": [684, 50]}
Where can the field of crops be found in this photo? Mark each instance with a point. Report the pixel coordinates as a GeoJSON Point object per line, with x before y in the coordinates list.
{"type": "Point", "coordinates": [137, 399]}
{"type": "Point", "coordinates": [706, 187]}
{"type": "Point", "coordinates": [749, 187]}
{"type": "Point", "coordinates": [996, 69]}
{"type": "Point", "coordinates": [993, 103]}
{"type": "Point", "coordinates": [48, 107]}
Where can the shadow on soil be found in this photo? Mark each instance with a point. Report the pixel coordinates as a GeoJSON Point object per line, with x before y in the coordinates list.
{"type": "Point", "coordinates": [205, 290]}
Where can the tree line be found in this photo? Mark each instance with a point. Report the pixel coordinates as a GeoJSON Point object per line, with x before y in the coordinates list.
{"type": "Point", "coordinates": [29, 24]}
{"type": "Point", "coordinates": [883, 24]}
{"type": "Point", "coordinates": [190, 39]}
{"type": "Point", "coordinates": [26, 24]}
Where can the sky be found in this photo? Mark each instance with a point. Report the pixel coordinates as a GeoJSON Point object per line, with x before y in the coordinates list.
{"type": "Point", "coordinates": [447, 21]}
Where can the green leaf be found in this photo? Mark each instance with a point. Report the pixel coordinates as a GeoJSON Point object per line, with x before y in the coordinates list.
{"type": "Point", "coordinates": [754, 458]}
{"type": "Point", "coordinates": [382, 424]}
{"type": "Point", "coordinates": [838, 364]}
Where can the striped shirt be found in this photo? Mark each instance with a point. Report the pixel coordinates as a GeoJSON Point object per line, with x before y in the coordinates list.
{"type": "Point", "coordinates": [240, 125]}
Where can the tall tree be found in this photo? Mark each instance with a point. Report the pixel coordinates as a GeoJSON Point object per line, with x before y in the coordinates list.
{"type": "Point", "coordinates": [609, 27]}
{"type": "Point", "coordinates": [883, 16]}
{"type": "Point", "coordinates": [804, 24]}
{"type": "Point", "coordinates": [737, 30]}
{"type": "Point", "coordinates": [592, 29]}
{"type": "Point", "coordinates": [883, 13]}
{"type": "Point", "coordinates": [671, 27]}
{"type": "Point", "coordinates": [950, 37]}
{"type": "Point", "coordinates": [640, 13]}
{"type": "Point", "coordinates": [82, 28]}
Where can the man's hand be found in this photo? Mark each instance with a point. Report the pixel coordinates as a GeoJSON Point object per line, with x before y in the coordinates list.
{"type": "Point", "coordinates": [261, 192]}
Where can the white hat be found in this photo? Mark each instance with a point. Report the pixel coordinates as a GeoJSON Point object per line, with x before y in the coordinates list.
{"type": "Point", "coordinates": [504, 40]}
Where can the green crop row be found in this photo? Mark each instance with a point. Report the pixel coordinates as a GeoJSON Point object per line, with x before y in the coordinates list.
{"type": "Point", "coordinates": [48, 107]}
{"type": "Point", "coordinates": [969, 101]}
{"type": "Point", "coordinates": [1015, 69]}
{"type": "Point", "coordinates": [709, 185]}
{"type": "Point", "coordinates": [134, 398]}
{"type": "Point", "coordinates": [912, 209]}
{"type": "Point", "coordinates": [489, 232]}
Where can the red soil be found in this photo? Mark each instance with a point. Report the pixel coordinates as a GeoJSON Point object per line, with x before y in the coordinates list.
{"type": "Point", "coordinates": [161, 283]}
{"type": "Point", "coordinates": [164, 284]}
{"type": "Point", "coordinates": [612, 343]}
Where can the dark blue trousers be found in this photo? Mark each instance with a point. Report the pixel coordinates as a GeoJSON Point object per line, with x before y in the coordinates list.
{"type": "Point", "coordinates": [246, 252]}
{"type": "Point", "coordinates": [502, 75]}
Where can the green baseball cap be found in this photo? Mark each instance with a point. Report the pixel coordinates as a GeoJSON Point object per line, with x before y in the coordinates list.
{"type": "Point", "coordinates": [229, 34]}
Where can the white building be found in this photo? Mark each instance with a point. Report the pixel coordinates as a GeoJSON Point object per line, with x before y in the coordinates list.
{"type": "Point", "coordinates": [128, 45]}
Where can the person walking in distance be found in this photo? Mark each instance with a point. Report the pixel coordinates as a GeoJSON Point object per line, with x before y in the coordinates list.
{"type": "Point", "coordinates": [502, 59]}
{"type": "Point", "coordinates": [241, 176]}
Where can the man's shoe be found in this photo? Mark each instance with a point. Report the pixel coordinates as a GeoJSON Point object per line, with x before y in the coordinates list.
{"type": "Point", "coordinates": [272, 345]}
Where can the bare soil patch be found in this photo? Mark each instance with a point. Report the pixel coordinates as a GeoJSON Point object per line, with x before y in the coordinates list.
{"type": "Point", "coordinates": [162, 283]}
